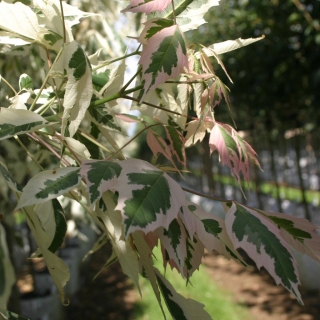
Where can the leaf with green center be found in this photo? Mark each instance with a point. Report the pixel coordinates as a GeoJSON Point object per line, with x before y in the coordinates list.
{"type": "Point", "coordinates": [100, 177]}
{"type": "Point", "coordinates": [78, 88]}
{"type": "Point", "coordinates": [19, 121]}
{"type": "Point", "coordinates": [152, 27]}
{"type": "Point", "coordinates": [25, 82]}
{"type": "Point", "coordinates": [262, 241]}
{"type": "Point", "coordinates": [48, 185]}
{"type": "Point", "coordinates": [300, 233]}
{"type": "Point", "coordinates": [173, 240]}
{"type": "Point", "coordinates": [189, 13]}
{"type": "Point", "coordinates": [209, 229]}
{"type": "Point", "coordinates": [176, 144]}
{"type": "Point", "coordinates": [148, 197]}
{"type": "Point", "coordinates": [7, 274]}
{"type": "Point", "coordinates": [180, 307]}
{"type": "Point", "coordinates": [147, 6]}
{"type": "Point", "coordinates": [163, 57]}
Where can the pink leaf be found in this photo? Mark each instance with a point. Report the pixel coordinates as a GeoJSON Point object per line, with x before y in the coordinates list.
{"type": "Point", "coordinates": [233, 150]}
{"type": "Point", "coordinates": [146, 6]}
{"type": "Point", "coordinates": [157, 145]}
{"type": "Point", "coordinates": [163, 57]}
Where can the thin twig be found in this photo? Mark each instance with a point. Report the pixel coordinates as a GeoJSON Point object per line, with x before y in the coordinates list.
{"type": "Point", "coordinates": [205, 196]}
{"type": "Point", "coordinates": [9, 85]}
{"type": "Point", "coordinates": [63, 23]}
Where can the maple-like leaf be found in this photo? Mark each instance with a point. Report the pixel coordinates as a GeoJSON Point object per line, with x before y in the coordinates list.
{"type": "Point", "coordinates": [146, 6]}
{"type": "Point", "coordinates": [233, 150]}
{"type": "Point", "coordinates": [163, 57]}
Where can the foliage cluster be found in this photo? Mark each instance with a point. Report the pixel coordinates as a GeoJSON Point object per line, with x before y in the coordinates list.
{"type": "Point", "coordinates": [69, 127]}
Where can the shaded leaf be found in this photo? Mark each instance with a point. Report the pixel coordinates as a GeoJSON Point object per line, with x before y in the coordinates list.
{"type": "Point", "coordinates": [48, 185]}
{"type": "Point", "coordinates": [19, 121]}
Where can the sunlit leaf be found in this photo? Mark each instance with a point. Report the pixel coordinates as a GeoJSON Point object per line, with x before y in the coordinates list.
{"type": "Point", "coordinates": [262, 241]}
{"type": "Point", "coordinates": [163, 57]}
{"type": "Point", "coordinates": [147, 6]}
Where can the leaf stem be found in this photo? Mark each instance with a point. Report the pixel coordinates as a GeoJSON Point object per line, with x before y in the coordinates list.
{"type": "Point", "coordinates": [37, 139]}
{"type": "Point", "coordinates": [114, 96]}
{"type": "Point", "coordinates": [63, 23]}
{"type": "Point", "coordinates": [28, 152]}
{"type": "Point", "coordinates": [204, 195]}
{"type": "Point", "coordinates": [115, 60]}
{"type": "Point", "coordinates": [9, 85]}
{"type": "Point", "coordinates": [174, 12]}
{"type": "Point", "coordinates": [45, 80]}
{"type": "Point", "coordinates": [138, 134]}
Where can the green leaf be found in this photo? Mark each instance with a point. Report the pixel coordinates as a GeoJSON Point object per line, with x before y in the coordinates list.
{"type": "Point", "coordinates": [19, 121]}
{"type": "Point", "coordinates": [48, 185]}
{"type": "Point", "coordinates": [99, 80]}
{"type": "Point", "coordinates": [61, 226]}
{"type": "Point", "coordinates": [100, 177]}
{"type": "Point", "coordinates": [25, 82]}
{"type": "Point", "coordinates": [13, 185]}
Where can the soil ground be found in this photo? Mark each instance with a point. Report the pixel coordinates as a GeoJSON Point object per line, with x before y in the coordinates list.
{"type": "Point", "coordinates": [111, 296]}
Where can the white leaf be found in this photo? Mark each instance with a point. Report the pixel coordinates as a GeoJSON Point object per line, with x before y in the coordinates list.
{"type": "Point", "coordinates": [19, 19]}
{"type": "Point", "coordinates": [229, 45]}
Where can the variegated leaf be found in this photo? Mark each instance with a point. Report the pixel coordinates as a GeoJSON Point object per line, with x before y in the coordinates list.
{"type": "Point", "coordinates": [18, 121]}
{"type": "Point", "coordinates": [233, 150]}
{"type": "Point", "coordinates": [163, 57]}
{"type": "Point", "coordinates": [177, 142]}
{"type": "Point", "coordinates": [210, 230]}
{"type": "Point", "coordinates": [298, 232]}
{"type": "Point", "coordinates": [100, 176]}
{"type": "Point", "coordinates": [262, 241]}
{"type": "Point", "coordinates": [196, 131]}
{"type": "Point", "coordinates": [178, 306]}
{"type": "Point", "coordinates": [174, 240]}
{"type": "Point", "coordinates": [148, 197]}
{"type": "Point", "coordinates": [146, 263]}
{"type": "Point", "coordinates": [78, 88]}
{"type": "Point", "coordinates": [48, 185]}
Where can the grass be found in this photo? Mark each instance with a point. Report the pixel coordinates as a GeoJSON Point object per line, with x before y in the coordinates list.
{"type": "Point", "coordinates": [218, 302]}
